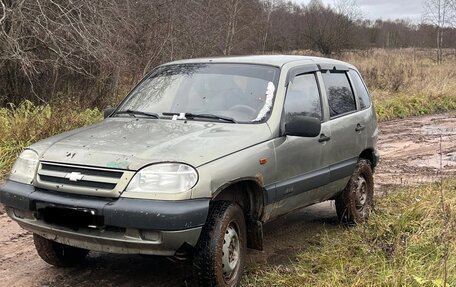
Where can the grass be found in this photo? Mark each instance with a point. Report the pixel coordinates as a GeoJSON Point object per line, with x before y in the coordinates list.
{"type": "Point", "coordinates": [403, 105]}
{"type": "Point", "coordinates": [404, 243]}
{"type": "Point", "coordinates": [26, 124]}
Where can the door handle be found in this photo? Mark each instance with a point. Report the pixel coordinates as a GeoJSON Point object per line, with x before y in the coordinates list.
{"type": "Point", "coordinates": [323, 138]}
{"type": "Point", "coordinates": [359, 127]}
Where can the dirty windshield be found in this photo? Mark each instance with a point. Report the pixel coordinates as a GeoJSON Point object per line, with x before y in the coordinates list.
{"type": "Point", "coordinates": [242, 93]}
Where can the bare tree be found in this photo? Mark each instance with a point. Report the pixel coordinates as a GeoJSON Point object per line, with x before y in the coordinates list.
{"type": "Point", "coordinates": [269, 6]}
{"type": "Point", "coordinates": [441, 14]}
{"type": "Point", "coordinates": [54, 48]}
{"type": "Point", "coordinates": [46, 38]}
{"type": "Point", "coordinates": [349, 8]}
{"type": "Point", "coordinates": [281, 26]}
{"type": "Point", "coordinates": [326, 29]}
{"type": "Point", "coordinates": [3, 11]}
{"type": "Point", "coordinates": [88, 50]}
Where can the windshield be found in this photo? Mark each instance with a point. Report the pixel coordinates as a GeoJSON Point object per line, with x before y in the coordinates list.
{"type": "Point", "coordinates": [242, 92]}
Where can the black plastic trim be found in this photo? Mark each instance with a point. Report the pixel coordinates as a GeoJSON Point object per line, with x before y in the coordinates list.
{"type": "Point", "coordinates": [311, 180]}
{"type": "Point", "coordinates": [122, 212]}
{"type": "Point", "coordinates": [302, 183]}
{"type": "Point", "coordinates": [342, 169]}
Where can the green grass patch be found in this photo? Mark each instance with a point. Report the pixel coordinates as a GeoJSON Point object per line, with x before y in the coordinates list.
{"type": "Point", "coordinates": [23, 125]}
{"type": "Point", "coordinates": [402, 106]}
{"type": "Point", "coordinates": [404, 243]}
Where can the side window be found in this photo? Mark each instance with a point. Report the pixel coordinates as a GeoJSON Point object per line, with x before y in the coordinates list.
{"type": "Point", "coordinates": [340, 95]}
{"type": "Point", "coordinates": [303, 98]}
{"type": "Point", "coordinates": [360, 88]}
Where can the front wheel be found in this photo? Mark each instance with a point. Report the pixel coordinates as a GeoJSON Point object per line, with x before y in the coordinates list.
{"type": "Point", "coordinates": [355, 202]}
{"type": "Point", "coordinates": [220, 253]}
{"type": "Point", "coordinates": [58, 254]}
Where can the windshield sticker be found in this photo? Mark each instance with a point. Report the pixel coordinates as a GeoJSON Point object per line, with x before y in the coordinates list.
{"type": "Point", "coordinates": [267, 104]}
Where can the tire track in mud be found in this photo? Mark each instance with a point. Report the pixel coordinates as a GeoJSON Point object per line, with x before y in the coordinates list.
{"type": "Point", "coordinates": [409, 155]}
{"type": "Point", "coordinates": [410, 150]}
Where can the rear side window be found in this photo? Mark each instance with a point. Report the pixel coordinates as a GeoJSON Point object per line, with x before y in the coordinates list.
{"type": "Point", "coordinates": [360, 88]}
{"type": "Point", "coordinates": [340, 94]}
{"type": "Point", "coordinates": [303, 98]}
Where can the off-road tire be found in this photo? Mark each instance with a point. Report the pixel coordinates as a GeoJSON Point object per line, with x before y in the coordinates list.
{"type": "Point", "coordinates": [58, 254]}
{"type": "Point", "coordinates": [207, 261]}
{"type": "Point", "coordinates": [349, 206]}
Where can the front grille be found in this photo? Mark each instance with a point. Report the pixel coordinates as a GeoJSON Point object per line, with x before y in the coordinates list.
{"type": "Point", "coordinates": [83, 170]}
{"type": "Point", "coordinates": [84, 183]}
{"type": "Point", "coordinates": [71, 177]}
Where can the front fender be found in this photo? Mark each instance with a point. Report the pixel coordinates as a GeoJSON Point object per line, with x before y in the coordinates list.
{"type": "Point", "coordinates": [253, 163]}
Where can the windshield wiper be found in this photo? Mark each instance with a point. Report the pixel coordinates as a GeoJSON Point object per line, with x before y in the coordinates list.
{"type": "Point", "coordinates": [203, 116]}
{"type": "Point", "coordinates": [134, 113]}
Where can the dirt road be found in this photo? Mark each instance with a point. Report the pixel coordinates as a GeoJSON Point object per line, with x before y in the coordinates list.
{"type": "Point", "coordinates": [410, 152]}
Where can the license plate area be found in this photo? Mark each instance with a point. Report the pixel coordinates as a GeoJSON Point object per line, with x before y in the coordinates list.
{"type": "Point", "coordinates": [73, 217]}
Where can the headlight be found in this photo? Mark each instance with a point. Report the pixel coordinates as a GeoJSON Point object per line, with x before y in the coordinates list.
{"type": "Point", "coordinates": [25, 167]}
{"type": "Point", "coordinates": [164, 178]}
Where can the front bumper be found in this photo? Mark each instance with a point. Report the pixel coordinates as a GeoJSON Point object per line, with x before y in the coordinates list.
{"type": "Point", "coordinates": [124, 225]}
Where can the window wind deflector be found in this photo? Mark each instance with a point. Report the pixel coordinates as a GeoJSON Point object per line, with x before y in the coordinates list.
{"type": "Point", "coordinates": [310, 68]}
{"type": "Point", "coordinates": [203, 116]}
{"type": "Point", "coordinates": [134, 113]}
{"type": "Point", "coordinates": [332, 67]}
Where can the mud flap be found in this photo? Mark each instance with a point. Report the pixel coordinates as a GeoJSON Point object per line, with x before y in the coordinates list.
{"type": "Point", "coordinates": [255, 235]}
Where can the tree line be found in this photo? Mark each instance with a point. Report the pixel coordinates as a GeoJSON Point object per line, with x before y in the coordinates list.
{"type": "Point", "coordinates": [88, 51]}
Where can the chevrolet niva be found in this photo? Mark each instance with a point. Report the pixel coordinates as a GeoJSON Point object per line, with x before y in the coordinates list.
{"type": "Point", "coordinates": [195, 160]}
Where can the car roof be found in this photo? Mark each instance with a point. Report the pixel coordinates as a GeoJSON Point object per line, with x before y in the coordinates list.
{"type": "Point", "coordinates": [274, 60]}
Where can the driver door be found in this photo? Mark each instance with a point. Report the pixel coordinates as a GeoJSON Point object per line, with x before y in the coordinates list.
{"type": "Point", "coordinates": [301, 167]}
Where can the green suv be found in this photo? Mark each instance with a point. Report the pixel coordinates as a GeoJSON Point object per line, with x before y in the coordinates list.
{"type": "Point", "coordinates": [195, 160]}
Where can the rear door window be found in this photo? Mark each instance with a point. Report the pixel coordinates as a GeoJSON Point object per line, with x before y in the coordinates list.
{"type": "Point", "coordinates": [340, 94]}
{"type": "Point", "coordinates": [361, 91]}
{"type": "Point", "coordinates": [303, 98]}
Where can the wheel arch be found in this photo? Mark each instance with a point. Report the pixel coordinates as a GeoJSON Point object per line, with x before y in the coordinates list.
{"type": "Point", "coordinates": [249, 194]}
{"type": "Point", "coordinates": [370, 155]}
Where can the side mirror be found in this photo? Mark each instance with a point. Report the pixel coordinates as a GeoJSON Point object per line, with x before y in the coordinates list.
{"type": "Point", "coordinates": [302, 126]}
{"type": "Point", "coordinates": [108, 111]}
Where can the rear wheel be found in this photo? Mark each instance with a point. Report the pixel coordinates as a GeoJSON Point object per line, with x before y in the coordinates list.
{"type": "Point", "coordinates": [58, 254]}
{"type": "Point", "coordinates": [220, 253]}
{"type": "Point", "coordinates": [355, 202]}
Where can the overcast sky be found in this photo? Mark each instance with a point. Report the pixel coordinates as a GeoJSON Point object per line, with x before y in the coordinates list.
{"type": "Point", "coordinates": [386, 9]}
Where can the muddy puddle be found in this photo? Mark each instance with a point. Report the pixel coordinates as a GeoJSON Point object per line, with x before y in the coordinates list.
{"type": "Point", "coordinates": [416, 150]}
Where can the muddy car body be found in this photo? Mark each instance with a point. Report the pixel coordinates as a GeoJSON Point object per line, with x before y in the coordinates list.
{"type": "Point", "coordinates": [197, 158]}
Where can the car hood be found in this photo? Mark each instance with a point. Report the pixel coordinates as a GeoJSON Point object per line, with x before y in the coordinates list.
{"type": "Point", "coordinates": [127, 143]}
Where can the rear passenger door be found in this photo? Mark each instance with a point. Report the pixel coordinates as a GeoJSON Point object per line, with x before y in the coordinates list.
{"type": "Point", "coordinates": [348, 137]}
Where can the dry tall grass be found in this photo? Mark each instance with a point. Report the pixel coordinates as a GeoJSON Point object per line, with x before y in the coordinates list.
{"type": "Point", "coordinates": [407, 82]}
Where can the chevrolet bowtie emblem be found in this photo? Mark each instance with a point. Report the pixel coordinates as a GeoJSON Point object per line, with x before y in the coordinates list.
{"type": "Point", "coordinates": [74, 176]}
